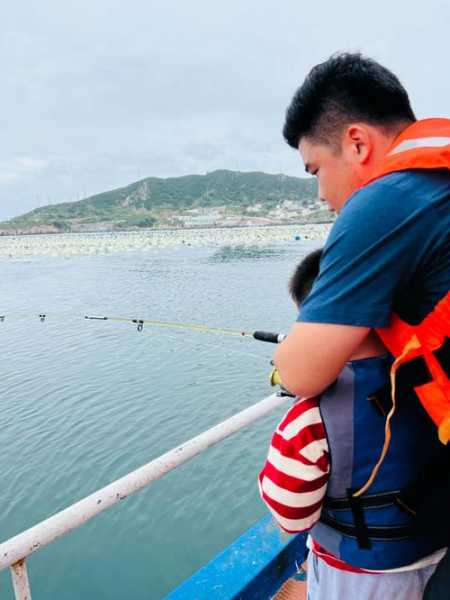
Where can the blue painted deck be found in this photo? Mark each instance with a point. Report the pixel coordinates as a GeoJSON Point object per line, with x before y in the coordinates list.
{"type": "Point", "coordinates": [253, 568]}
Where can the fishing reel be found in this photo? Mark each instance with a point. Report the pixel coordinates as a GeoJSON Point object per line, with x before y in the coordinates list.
{"type": "Point", "coordinates": [274, 378]}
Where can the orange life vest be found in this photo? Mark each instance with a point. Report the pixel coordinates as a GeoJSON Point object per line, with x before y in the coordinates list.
{"type": "Point", "coordinates": [423, 145]}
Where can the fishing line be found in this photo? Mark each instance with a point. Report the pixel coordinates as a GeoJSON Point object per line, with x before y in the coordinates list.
{"type": "Point", "coordinates": [215, 347]}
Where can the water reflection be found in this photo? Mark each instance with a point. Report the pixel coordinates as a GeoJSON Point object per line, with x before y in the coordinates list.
{"type": "Point", "coordinates": [239, 253]}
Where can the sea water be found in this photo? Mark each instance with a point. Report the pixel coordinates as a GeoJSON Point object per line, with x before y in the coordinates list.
{"type": "Point", "coordinates": [84, 402]}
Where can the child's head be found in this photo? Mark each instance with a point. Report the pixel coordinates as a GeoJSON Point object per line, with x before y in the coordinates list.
{"type": "Point", "coordinates": [304, 276]}
{"type": "Point", "coordinates": [300, 286]}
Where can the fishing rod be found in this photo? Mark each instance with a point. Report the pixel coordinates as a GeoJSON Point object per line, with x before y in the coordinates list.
{"type": "Point", "coordinates": [45, 317]}
{"type": "Point", "coordinates": [170, 324]}
{"type": "Point", "coordinates": [263, 336]}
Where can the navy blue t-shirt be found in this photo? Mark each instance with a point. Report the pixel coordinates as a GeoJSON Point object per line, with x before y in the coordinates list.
{"type": "Point", "coordinates": [389, 250]}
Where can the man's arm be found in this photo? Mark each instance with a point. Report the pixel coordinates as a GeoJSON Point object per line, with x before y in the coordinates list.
{"type": "Point", "coordinates": [313, 355]}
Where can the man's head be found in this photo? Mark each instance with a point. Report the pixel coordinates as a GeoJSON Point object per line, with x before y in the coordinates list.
{"type": "Point", "coordinates": [304, 276]}
{"type": "Point", "coordinates": [343, 118]}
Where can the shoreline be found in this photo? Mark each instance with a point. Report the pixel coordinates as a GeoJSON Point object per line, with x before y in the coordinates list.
{"type": "Point", "coordinates": [100, 243]}
{"type": "Point", "coordinates": [157, 229]}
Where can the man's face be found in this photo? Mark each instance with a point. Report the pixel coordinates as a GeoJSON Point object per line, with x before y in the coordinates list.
{"type": "Point", "coordinates": [337, 176]}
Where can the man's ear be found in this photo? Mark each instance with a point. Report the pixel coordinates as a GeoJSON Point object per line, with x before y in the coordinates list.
{"type": "Point", "coordinates": [357, 143]}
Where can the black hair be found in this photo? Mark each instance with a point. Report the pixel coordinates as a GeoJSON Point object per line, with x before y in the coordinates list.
{"type": "Point", "coordinates": [345, 88]}
{"type": "Point", "coordinates": [304, 276]}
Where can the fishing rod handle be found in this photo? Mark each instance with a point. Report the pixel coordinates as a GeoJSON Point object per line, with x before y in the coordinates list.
{"type": "Point", "coordinates": [268, 336]}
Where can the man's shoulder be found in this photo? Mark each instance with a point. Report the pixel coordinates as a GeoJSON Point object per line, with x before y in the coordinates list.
{"type": "Point", "coordinates": [395, 198]}
{"type": "Point", "coordinates": [420, 187]}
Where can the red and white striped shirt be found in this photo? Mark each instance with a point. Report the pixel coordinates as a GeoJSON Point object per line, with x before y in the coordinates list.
{"type": "Point", "coordinates": [294, 478]}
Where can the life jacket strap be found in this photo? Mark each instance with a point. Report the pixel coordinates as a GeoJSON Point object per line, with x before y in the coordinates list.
{"type": "Point", "coordinates": [387, 532]}
{"type": "Point", "coordinates": [380, 500]}
{"type": "Point", "coordinates": [359, 520]}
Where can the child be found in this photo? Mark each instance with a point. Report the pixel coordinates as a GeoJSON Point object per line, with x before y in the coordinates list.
{"type": "Point", "coordinates": [297, 465]}
{"type": "Point", "coordinates": [352, 539]}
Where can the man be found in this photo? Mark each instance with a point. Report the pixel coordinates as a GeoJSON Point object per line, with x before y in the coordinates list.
{"type": "Point", "coordinates": [387, 175]}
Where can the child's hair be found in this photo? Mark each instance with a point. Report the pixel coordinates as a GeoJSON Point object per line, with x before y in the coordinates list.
{"type": "Point", "coordinates": [304, 276]}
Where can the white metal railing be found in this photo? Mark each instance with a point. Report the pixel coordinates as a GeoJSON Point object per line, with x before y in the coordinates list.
{"type": "Point", "coordinates": [14, 552]}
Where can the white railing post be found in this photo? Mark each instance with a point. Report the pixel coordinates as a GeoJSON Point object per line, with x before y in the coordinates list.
{"type": "Point", "coordinates": [21, 584]}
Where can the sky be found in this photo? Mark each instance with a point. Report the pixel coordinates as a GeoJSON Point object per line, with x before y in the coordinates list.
{"type": "Point", "coordinates": [96, 94]}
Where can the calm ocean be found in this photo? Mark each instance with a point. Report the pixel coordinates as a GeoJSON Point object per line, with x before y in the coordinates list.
{"type": "Point", "coordinates": [84, 402]}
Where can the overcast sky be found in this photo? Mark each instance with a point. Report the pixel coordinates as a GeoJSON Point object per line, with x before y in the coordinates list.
{"type": "Point", "coordinates": [96, 94]}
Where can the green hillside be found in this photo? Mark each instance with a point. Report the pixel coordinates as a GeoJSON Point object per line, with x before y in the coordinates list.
{"type": "Point", "coordinates": [177, 201]}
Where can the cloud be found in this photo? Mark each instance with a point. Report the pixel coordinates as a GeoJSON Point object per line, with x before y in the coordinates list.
{"type": "Point", "coordinates": [17, 168]}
